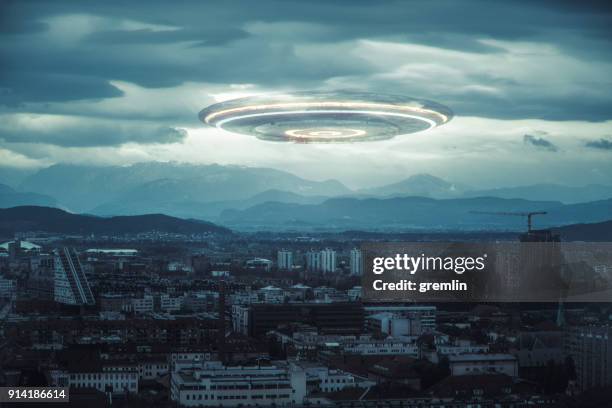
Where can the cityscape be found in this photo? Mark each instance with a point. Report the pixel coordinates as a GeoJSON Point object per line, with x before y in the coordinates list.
{"type": "Point", "coordinates": [218, 319]}
{"type": "Point", "coordinates": [306, 203]}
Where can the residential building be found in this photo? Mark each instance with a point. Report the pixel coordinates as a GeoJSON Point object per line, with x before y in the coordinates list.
{"type": "Point", "coordinates": [284, 260]}
{"type": "Point", "coordinates": [469, 364]}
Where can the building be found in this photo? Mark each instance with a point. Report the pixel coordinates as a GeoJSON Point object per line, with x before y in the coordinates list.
{"type": "Point", "coordinates": [7, 288]}
{"type": "Point", "coordinates": [18, 247]}
{"type": "Point", "coordinates": [40, 283]}
{"type": "Point", "coordinates": [240, 319]}
{"type": "Point", "coordinates": [470, 364]}
{"type": "Point", "coordinates": [259, 264]}
{"type": "Point", "coordinates": [113, 378]}
{"type": "Point", "coordinates": [328, 260]}
{"type": "Point", "coordinates": [354, 294]}
{"type": "Point", "coordinates": [179, 267]}
{"type": "Point", "coordinates": [71, 286]}
{"type": "Point", "coordinates": [461, 346]}
{"type": "Point", "coordinates": [213, 384]}
{"type": "Point", "coordinates": [202, 301]}
{"type": "Point", "coordinates": [313, 261]}
{"type": "Point", "coordinates": [389, 323]}
{"type": "Point", "coordinates": [144, 304]}
{"type": "Point", "coordinates": [321, 261]}
{"type": "Point", "coordinates": [284, 260]}
{"type": "Point", "coordinates": [380, 347]}
{"type": "Point", "coordinates": [170, 304]}
{"type": "Point", "coordinates": [220, 274]}
{"type": "Point", "coordinates": [356, 262]}
{"type": "Point", "coordinates": [83, 367]}
{"type": "Point", "coordinates": [330, 318]}
{"type": "Point", "coordinates": [591, 349]}
{"type": "Point", "coordinates": [325, 379]}
{"type": "Point", "coordinates": [272, 294]}
{"type": "Point", "coordinates": [422, 318]}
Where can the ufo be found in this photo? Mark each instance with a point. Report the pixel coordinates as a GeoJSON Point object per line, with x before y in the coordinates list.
{"type": "Point", "coordinates": [326, 117]}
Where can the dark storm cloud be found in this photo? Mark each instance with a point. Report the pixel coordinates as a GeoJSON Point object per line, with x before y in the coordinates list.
{"type": "Point", "coordinates": [19, 87]}
{"type": "Point", "coordinates": [540, 143]}
{"type": "Point", "coordinates": [601, 144]}
{"type": "Point", "coordinates": [205, 36]}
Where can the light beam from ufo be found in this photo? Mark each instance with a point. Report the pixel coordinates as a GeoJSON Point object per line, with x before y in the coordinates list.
{"type": "Point", "coordinates": [326, 117]}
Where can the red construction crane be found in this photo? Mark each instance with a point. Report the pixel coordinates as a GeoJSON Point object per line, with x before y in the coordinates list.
{"type": "Point", "coordinates": [517, 214]}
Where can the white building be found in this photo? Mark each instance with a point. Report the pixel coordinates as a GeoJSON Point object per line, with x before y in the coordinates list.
{"type": "Point", "coordinates": [374, 347]}
{"type": "Point", "coordinates": [116, 378]}
{"type": "Point", "coordinates": [231, 386]}
{"type": "Point", "coordinates": [461, 348]}
{"type": "Point", "coordinates": [422, 318]}
{"type": "Point", "coordinates": [389, 323]}
{"type": "Point", "coordinates": [178, 266]}
{"type": "Point", "coordinates": [329, 380]}
{"type": "Point", "coordinates": [328, 260]}
{"type": "Point", "coordinates": [220, 274]}
{"type": "Point", "coordinates": [467, 364]}
{"type": "Point", "coordinates": [240, 319]}
{"type": "Point", "coordinates": [143, 305]}
{"type": "Point", "coordinates": [313, 261]}
{"type": "Point", "coordinates": [151, 369]}
{"type": "Point", "coordinates": [356, 262]}
{"type": "Point", "coordinates": [243, 298]}
{"type": "Point", "coordinates": [284, 260]}
{"type": "Point", "coordinates": [259, 264]}
{"type": "Point", "coordinates": [321, 261]}
{"type": "Point", "coordinates": [170, 304]}
{"type": "Point", "coordinates": [272, 294]}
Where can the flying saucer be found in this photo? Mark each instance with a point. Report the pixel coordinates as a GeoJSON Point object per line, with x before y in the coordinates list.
{"type": "Point", "coordinates": [320, 117]}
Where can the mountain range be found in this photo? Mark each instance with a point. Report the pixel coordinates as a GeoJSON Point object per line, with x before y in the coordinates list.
{"type": "Point", "coordinates": [248, 197]}
{"type": "Point", "coordinates": [146, 185]}
{"type": "Point", "coordinates": [414, 213]}
{"type": "Point", "coordinates": [53, 220]}
{"type": "Point", "coordinates": [34, 218]}
{"type": "Point", "coordinates": [12, 198]}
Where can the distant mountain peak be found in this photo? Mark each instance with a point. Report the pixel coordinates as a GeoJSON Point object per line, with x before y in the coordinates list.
{"type": "Point", "coordinates": [421, 184]}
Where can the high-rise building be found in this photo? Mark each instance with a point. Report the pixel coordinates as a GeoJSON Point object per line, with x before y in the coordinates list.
{"type": "Point", "coordinates": [356, 262]}
{"type": "Point", "coordinates": [40, 283]}
{"type": "Point", "coordinates": [71, 286]}
{"type": "Point", "coordinates": [591, 349]}
{"type": "Point", "coordinates": [285, 260]}
{"type": "Point", "coordinates": [321, 261]}
{"type": "Point", "coordinates": [328, 260]}
{"type": "Point", "coordinates": [313, 261]}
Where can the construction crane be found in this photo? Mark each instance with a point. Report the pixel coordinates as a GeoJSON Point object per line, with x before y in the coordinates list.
{"type": "Point", "coordinates": [517, 214]}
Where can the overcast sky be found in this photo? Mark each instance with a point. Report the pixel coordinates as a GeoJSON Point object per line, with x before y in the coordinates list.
{"type": "Point", "coordinates": [530, 83]}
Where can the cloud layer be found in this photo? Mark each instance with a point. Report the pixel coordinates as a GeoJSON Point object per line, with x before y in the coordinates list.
{"type": "Point", "coordinates": [110, 82]}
